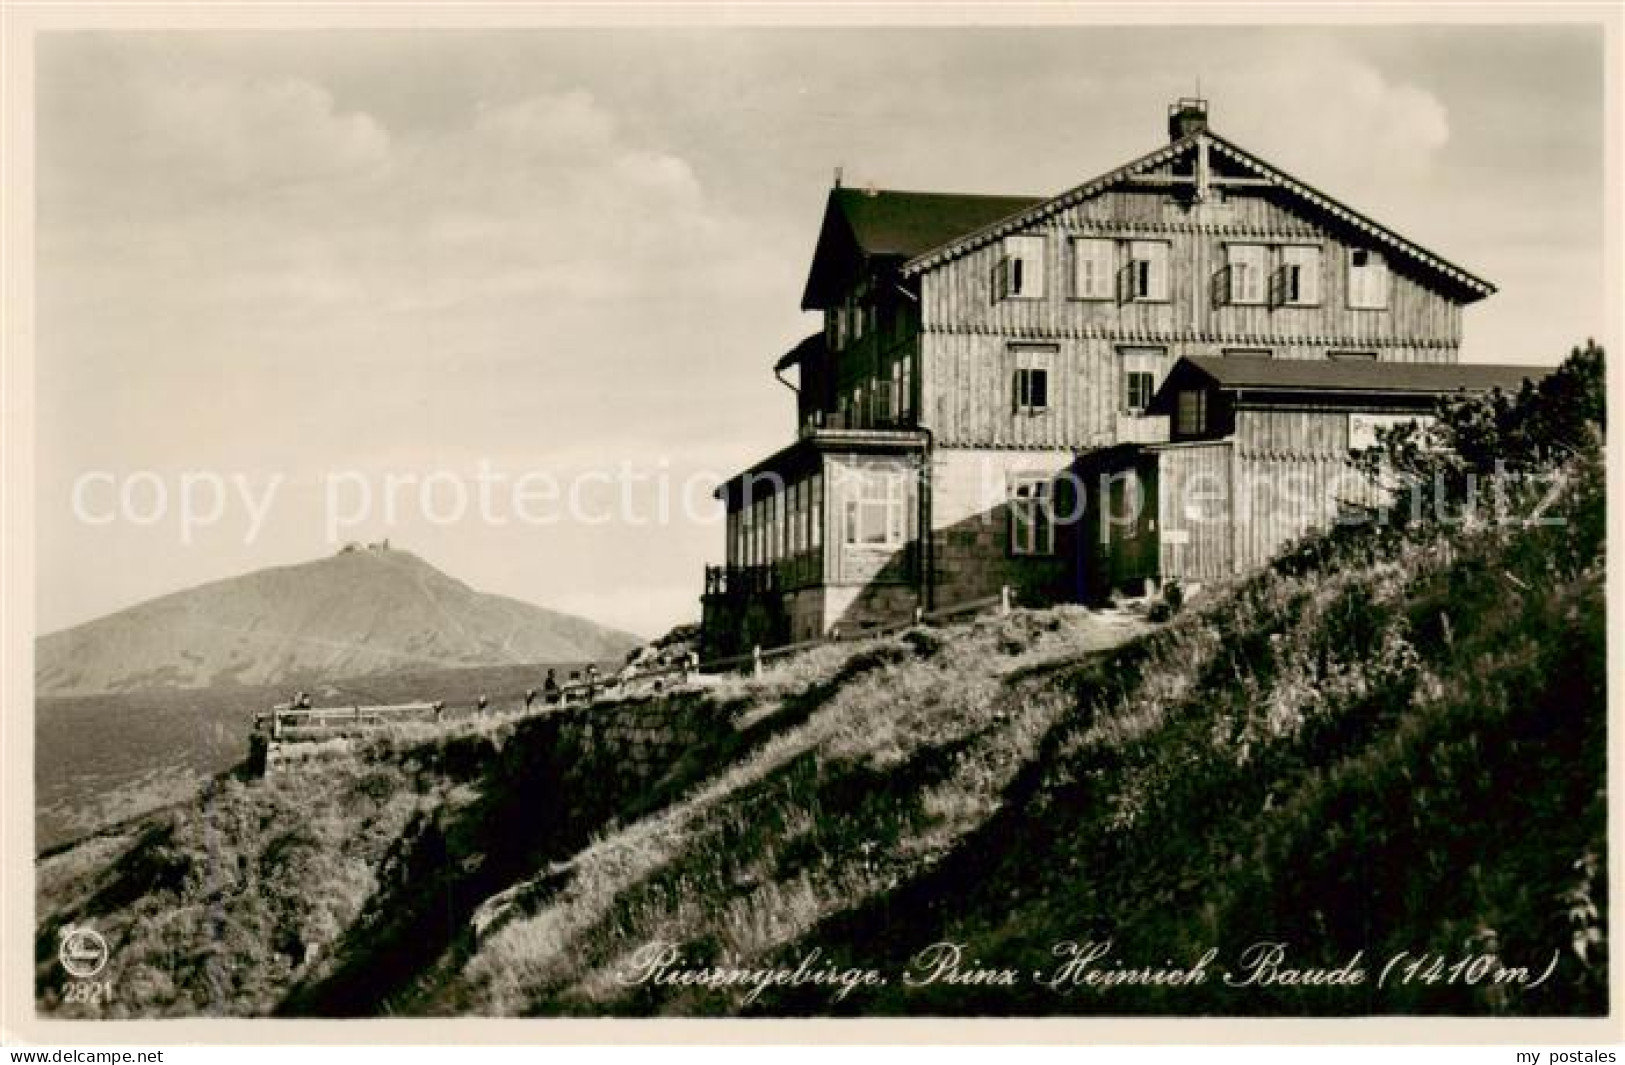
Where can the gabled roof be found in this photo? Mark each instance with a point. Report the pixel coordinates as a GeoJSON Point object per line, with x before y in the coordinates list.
{"type": "Point", "coordinates": [884, 223]}
{"type": "Point", "coordinates": [1256, 374]}
{"type": "Point", "coordinates": [1468, 285]}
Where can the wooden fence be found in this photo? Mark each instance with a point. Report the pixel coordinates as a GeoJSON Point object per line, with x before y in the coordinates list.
{"type": "Point", "coordinates": [292, 723]}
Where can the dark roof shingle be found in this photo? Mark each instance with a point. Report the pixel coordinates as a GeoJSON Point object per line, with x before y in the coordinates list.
{"type": "Point", "coordinates": [908, 223]}
{"type": "Point", "coordinates": [883, 223]}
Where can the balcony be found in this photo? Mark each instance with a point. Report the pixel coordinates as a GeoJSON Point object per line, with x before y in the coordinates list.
{"type": "Point", "coordinates": [879, 421]}
{"type": "Point", "coordinates": [741, 582]}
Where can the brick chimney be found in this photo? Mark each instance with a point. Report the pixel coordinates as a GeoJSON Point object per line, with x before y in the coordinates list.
{"type": "Point", "coordinates": [1187, 116]}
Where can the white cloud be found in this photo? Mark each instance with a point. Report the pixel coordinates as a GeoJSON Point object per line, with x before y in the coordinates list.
{"type": "Point", "coordinates": [1335, 115]}
{"type": "Point", "coordinates": [268, 132]}
{"type": "Point", "coordinates": [558, 125]}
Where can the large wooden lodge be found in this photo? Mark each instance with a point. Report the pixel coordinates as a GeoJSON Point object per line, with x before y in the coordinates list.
{"type": "Point", "coordinates": [999, 381]}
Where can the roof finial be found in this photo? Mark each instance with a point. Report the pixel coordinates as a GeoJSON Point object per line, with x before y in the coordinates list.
{"type": "Point", "coordinates": [837, 177]}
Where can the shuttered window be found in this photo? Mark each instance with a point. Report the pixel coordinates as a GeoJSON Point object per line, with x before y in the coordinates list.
{"type": "Point", "coordinates": [1020, 272]}
{"type": "Point", "coordinates": [1248, 268]}
{"type": "Point", "coordinates": [1368, 279]}
{"type": "Point", "coordinates": [1299, 276]}
{"type": "Point", "coordinates": [1148, 270]}
{"type": "Point", "coordinates": [1094, 268]}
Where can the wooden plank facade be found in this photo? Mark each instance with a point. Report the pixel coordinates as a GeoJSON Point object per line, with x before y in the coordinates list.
{"type": "Point", "coordinates": [1005, 349]}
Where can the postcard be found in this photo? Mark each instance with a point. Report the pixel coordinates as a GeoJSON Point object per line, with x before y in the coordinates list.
{"type": "Point", "coordinates": [1064, 521]}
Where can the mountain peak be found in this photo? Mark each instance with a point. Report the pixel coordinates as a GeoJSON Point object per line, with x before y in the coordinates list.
{"type": "Point", "coordinates": [366, 609]}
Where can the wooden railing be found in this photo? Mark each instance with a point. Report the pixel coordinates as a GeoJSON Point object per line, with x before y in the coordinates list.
{"type": "Point", "coordinates": [289, 722]}
{"type": "Point", "coordinates": [741, 581]}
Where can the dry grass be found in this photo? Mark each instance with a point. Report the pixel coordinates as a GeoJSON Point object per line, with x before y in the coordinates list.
{"type": "Point", "coordinates": [873, 788]}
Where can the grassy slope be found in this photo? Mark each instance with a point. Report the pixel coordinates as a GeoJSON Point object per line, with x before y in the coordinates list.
{"type": "Point", "coordinates": [1404, 753]}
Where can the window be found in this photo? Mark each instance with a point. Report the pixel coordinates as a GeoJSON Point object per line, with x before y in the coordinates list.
{"type": "Point", "coordinates": [1192, 417]}
{"type": "Point", "coordinates": [1368, 279]}
{"type": "Point", "coordinates": [1142, 372]}
{"type": "Point", "coordinates": [1148, 270]}
{"type": "Point", "coordinates": [1247, 353]}
{"type": "Point", "coordinates": [1353, 356]}
{"type": "Point", "coordinates": [1031, 380]}
{"type": "Point", "coordinates": [775, 527]}
{"type": "Point", "coordinates": [1094, 266]}
{"type": "Point", "coordinates": [798, 525]}
{"type": "Point", "coordinates": [1248, 267]}
{"type": "Point", "coordinates": [875, 511]}
{"type": "Point", "coordinates": [816, 526]}
{"type": "Point", "coordinates": [902, 388]}
{"type": "Point", "coordinates": [1032, 390]}
{"type": "Point", "coordinates": [1032, 517]}
{"type": "Point", "coordinates": [1299, 277]}
{"type": "Point", "coordinates": [884, 390]}
{"type": "Point", "coordinates": [1020, 272]}
{"type": "Point", "coordinates": [1138, 388]}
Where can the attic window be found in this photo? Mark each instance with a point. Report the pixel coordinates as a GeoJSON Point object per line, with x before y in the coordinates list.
{"type": "Point", "coordinates": [1192, 417]}
{"type": "Point", "coordinates": [1298, 280]}
{"type": "Point", "coordinates": [1247, 264]}
{"type": "Point", "coordinates": [1368, 279]}
{"type": "Point", "coordinates": [1093, 262]}
{"type": "Point", "coordinates": [1148, 270]}
{"type": "Point", "coordinates": [1020, 271]}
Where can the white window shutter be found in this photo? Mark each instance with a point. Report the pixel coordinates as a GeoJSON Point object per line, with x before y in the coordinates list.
{"type": "Point", "coordinates": [1029, 252]}
{"type": "Point", "coordinates": [1308, 261]}
{"type": "Point", "coordinates": [1154, 254]}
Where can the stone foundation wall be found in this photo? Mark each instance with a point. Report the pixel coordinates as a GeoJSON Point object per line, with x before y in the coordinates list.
{"type": "Point", "coordinates": [613, 746]}
{"type": "Point", "coordinates": [971, 555]}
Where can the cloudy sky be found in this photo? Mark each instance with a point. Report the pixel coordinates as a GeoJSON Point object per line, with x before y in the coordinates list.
{"type": "Point", "coordinates": [322, 258]}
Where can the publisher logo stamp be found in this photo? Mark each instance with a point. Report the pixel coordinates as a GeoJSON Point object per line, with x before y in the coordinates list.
{"type": "Point", "coordinates": [83, 952]}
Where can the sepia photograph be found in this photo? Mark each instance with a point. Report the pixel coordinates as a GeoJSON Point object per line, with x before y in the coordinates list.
{"type": "Point", "coordinates": [877, 518]}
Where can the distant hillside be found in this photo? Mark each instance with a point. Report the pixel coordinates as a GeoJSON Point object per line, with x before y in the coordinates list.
{"type": "Point", "coordinates": [353, 614]}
